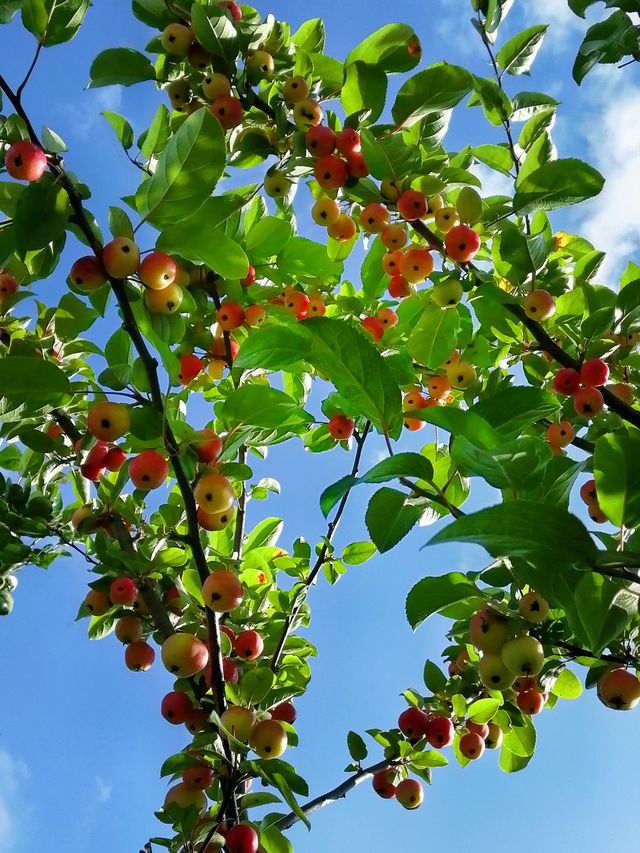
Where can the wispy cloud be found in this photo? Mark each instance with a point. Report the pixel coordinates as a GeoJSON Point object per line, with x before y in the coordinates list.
{"type": "Point", "coordinates": [83, 115]}
{"type": "Point", "coordinates": [612, 220]}
{"type": "Point", "coordinates": [13, 773]}
{"type": "Point", "coordinates": [104, 790]}
{"type": "Point", "coordinates": [562, 22]}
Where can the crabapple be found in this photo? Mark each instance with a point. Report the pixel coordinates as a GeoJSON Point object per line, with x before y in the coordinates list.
{"type": "Point", "coordinates": [331, 172]}
{"type": "Point", "coordinates": [239, 721]}
{"type": "Point", "coordinates": [409, 793]}
{"type": "Point", "coordinates": [213, 493]}
{"type": "Point", "coordinates": [566, 381]}
{"type": "Point", "coordinates": [139, 656]}
{"type": "Point", "coordinates": [184, 655]}
{"type": "Point", "coordinates": [623, 391]}
{"type": "Point", "coordinates": [268, 739]}
{"type": "Point", "coordinates": [523, 655]}
{"type": "Point", "coordinates": [413, 723]}
{"type": "Point", "coordinates": [438, 387]}
{"type": "Point", "coordinates": [448, 293]}
{"type": "Point", "coordinates": [228, 110]}
{"type": "Point", "coordinates": [307, 113]}
{"type": "Point", "coordinates": [157, 270]}
{"type": "Point", "coordinates": [8, 285]}
{"type": "Point", "coordinates": [594, 372]}
{"type": "Point", "coordinates": [230, 316]}
{"type": "Point", "coordinates": [619, 689]}
{"type": "Point", "coordinates": [320, 141]}
{"type": "Point", "coordinates": [341, 427]}
{"type": "Point", "coordinates": [97, 602]}
{"type": "Point", "coordinates": [123, 591]}
{"type": "Point", "coordinates": [588, 402]}
{"type": "Point", "coordinates": [114, 459]}
{"type": "Point", "coordinates": [390, 189]}
{"type": "Point", "coordinates": [387, 317]}
{"type": "Point", "coordinates": [175, 707]}
{"type": "Point", "coordinates": [494, 739]}
{"type": "Point", "coordinates": [383, 784]}
{"type": "Point", "coordinates": [222, 591]}
{"type": "Point", "coordinates": [196, 720]}
{"type": "Point", "coordinates": [471, 746]}
{"type": "Point", "coordinates": [128, 629]}
{"type": "Point", "coordinates": [259, 66]}
{"type": "Point", "coordinates": [413, 399]}
{"type": "Point", "coordinates": [148, 470]}
{"type": "Point", "coordinates": [108, 421]}
{"type": "Point", "coordinates": [399, 287]}
{"type": "Point", "coordinates": [461, 375]}
{"type": "Point", "coordinates": [176, 39]}
{"type": "Point", "coordinates": [374, 327]}
{"type": "Point", "coordinates": [489, 630]}
{"type": "Point", "coordinates": [533, 607]}
{"type": "Point", "coordinates": [276, 183]}
{"type": "Point", "coordinates": [316, 307]}
{"type": "Point", "coordinates": [481, 729]}
{"type": "Point", "coordinates": [285, 712]}
{"type": "Point", "coordinates": [416, 264]}
{"type": "Point", "coordinates": [121, 258]}
{"type": "Point", "coordinates": [446, 218]}
{"type": "Point", "coordinates": [588, 492]}
{"type": "Point", "coordinates": [394, 236]}
{"type": "Point", "coordinates": [185, 798]}
{"type": "Point", "coordinates": [391, 262]}
{"type": "Point", "coordinates": [343, 229]}
{"type": "Point", "coordinates": [562, 434]}
{"type": "Point", "coordinates": [539, 305]}
{"type": "Point", "coordinates": [242, 838]}
{"type": "Point", "coordinates": [358, 167]}
{"type": "Point", "coordinates": [248, 645]}
{"type": "Point", "coordinates": [87, 274]}
{"type": "Point", "coordinates": [531, 702]}
{"type": "Point", "coordinates": [374, 218]}
{"type": "Point", "coordinates": [412, 205]}
{"type": "Point", "coordinates": [493, 673]}
{"type": "Point", "coordinates": [255, 315]}
{"type": "Point", "coordinates": [207, 445]}
{"type": "Point", "coordinates": [440, 731]}
{"type": "Point", "coordinates": [325, 212]}
{"type": "Point", "coordinates": [295, 89]}
{"type": "Point", "coordinates": [197, 778]}
{"type": "Point", "coordinates": [348, 142]}
{"type": "Point", "coordinates": [165, 301]}
{"type": "Point", "coordinates": [462, 243]}
{"type": "Point", "coordinates": [25, 161]}
{"type": "Point", "coordinates": [296, 301]}
{"type": "Point", "coordinates": [190, 367]}
{"type": "Point", "coordinates": [234, 10]}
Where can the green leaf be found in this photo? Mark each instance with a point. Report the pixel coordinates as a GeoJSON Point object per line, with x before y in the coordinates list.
{"type": "Point", "coordinates": [389, 517]}
{"type": "Point", "coordinates": [434, 678]}
{"type": "Point", "coordinates": [154, 140]}
{"type": "Point", "coordinates": [54, 21]}
{"type": "Point", "coordinates": [616, 468]}
{"type": "Point", "coordinates": [434, 337]}
{"type": "Point", "coordinates": [358, 552]}
{"type": "Point", "coordinates": [604, 609]}
{"type": "Point", "coordinates": [521, 740]}
{"type": "Point", "coordinates": [524, 529]}
{"type": "Point", "coordinates": [73, 316]}
{"type": "Point", "coordinates": [357, 747]}
{"type": "Point", "coordinates": [433, 594]}
{"type": "Point", "coordinates": [41, 215]}
{"type": "Point", "coordinates": [302, 258]}
{"type": "Point", "coordinates": [122, 129]}
{"type": "Point", "coordinates": [512, 410]}
{"type": "Point", "coordinates": [400, 465]}
{"type": "Point", "coordinates": [497, 157]}
{"type": "Point", "coordinates": [154, 13]}
{"type": "Point", "coordinates": [339, 352]}
{"type": "Point", "coordinates": [497, 11]}
{"type": "Point", "coordinates": [518, 54]}
{"type": "Point", "coordinates": [261, 406]}
{"type": "Point", "coordinates": [215, 32]}
{"type": "Point", "coordinates": [557, 184]}
{"type": "Point", "coordinates": [494, 100]}
{"type": "Point", "coordinates": [310, 36]}
{"type": "Point", "coordinates": [437, 88]}
{"type": "Point", "coordinates": [272, 839]}
{"type": "Point", "coordinates": [394, 47]}
{"type": "Point", "coordinates": [607, 41]}
{"type": "Point", "coordinates": [187, 172]}
{"type": "Point", "coordinates": [364, 90]}
{"type": "Point", "coordinates": [483, 710]}
{"type": "Point", "coordinates": [266, 532]}
{"type": "Point", "coordinates": [40, 377]}
{"type": "Point", "coordinates": [528, 104]}
{"type": "Point", "coordinates": [202, 243]}
{"type": "Point", "coordinates": [567, 685]}
{"type": "Point", "coordinates": [120, 65]}
{"type": "Point", "coordinates": [119, 223]}
{"type": "Point", "coordinates": [267, 237]}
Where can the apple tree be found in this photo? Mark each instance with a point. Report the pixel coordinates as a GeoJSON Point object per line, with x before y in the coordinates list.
{"type": "Point", "coordinates": [268, 168]}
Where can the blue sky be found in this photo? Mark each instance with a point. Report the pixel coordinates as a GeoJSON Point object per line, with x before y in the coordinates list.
{"type": "Point", "coordinates": [81, 738]}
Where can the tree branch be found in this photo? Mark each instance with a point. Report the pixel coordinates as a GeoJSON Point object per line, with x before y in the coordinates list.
{"type": "Point", "coordinates": [577, 652]}
{"type": "Point", "coordinates": [238, 534]}
{"type": "Point", "coordinates": [337, 793]}
{"type": "Point", "coordinates": [322, 556]}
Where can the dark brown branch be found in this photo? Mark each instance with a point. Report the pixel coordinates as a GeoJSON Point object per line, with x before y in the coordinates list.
{"type": "Point", "coordinates": [150, 366]}
{"type": "Point", "coordinates": [322, 556]}
{"type": "Point", "coordinates": [577, 652]}
{"type": "Point", "coordinates": [238, 535]}
{"type": "Point", "coordinates": [337, 793]}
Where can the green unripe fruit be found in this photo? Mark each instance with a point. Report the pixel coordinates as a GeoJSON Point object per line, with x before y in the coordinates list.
{"type": "Point", "coordinates": [40, 507]}
{"type": "Point", "coordinates": [448, 294]}
{"type": "Point", "coordinates": [6, 603]}
{"type": "Point", "coordinates": [523, 656]}
{"type": "Point", "coordinates": [260, 66]}
{"type": "Point", "coordinates": [493, 673]}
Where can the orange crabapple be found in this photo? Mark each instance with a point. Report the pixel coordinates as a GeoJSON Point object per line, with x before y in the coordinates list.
{"type": "Point", "coordinates": [374, 218]}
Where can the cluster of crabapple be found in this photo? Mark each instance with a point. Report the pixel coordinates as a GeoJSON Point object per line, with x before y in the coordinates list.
{"type": "Point", "coordinates": [589, 496]}
{"type": "Point", "coordinates": [584, 386]}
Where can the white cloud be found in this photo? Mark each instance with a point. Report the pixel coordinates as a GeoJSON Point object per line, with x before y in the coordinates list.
{"type": "Point", "coordinates": [83, 115]}
{"type": "Point", "coordinates": [562, 21]}
{"type": "Point", "coordinates": [104, 790]}
{"type": "Point", "coordinates": [612, 220]}
{"type": "Point", "coordinates": [12, 774]}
